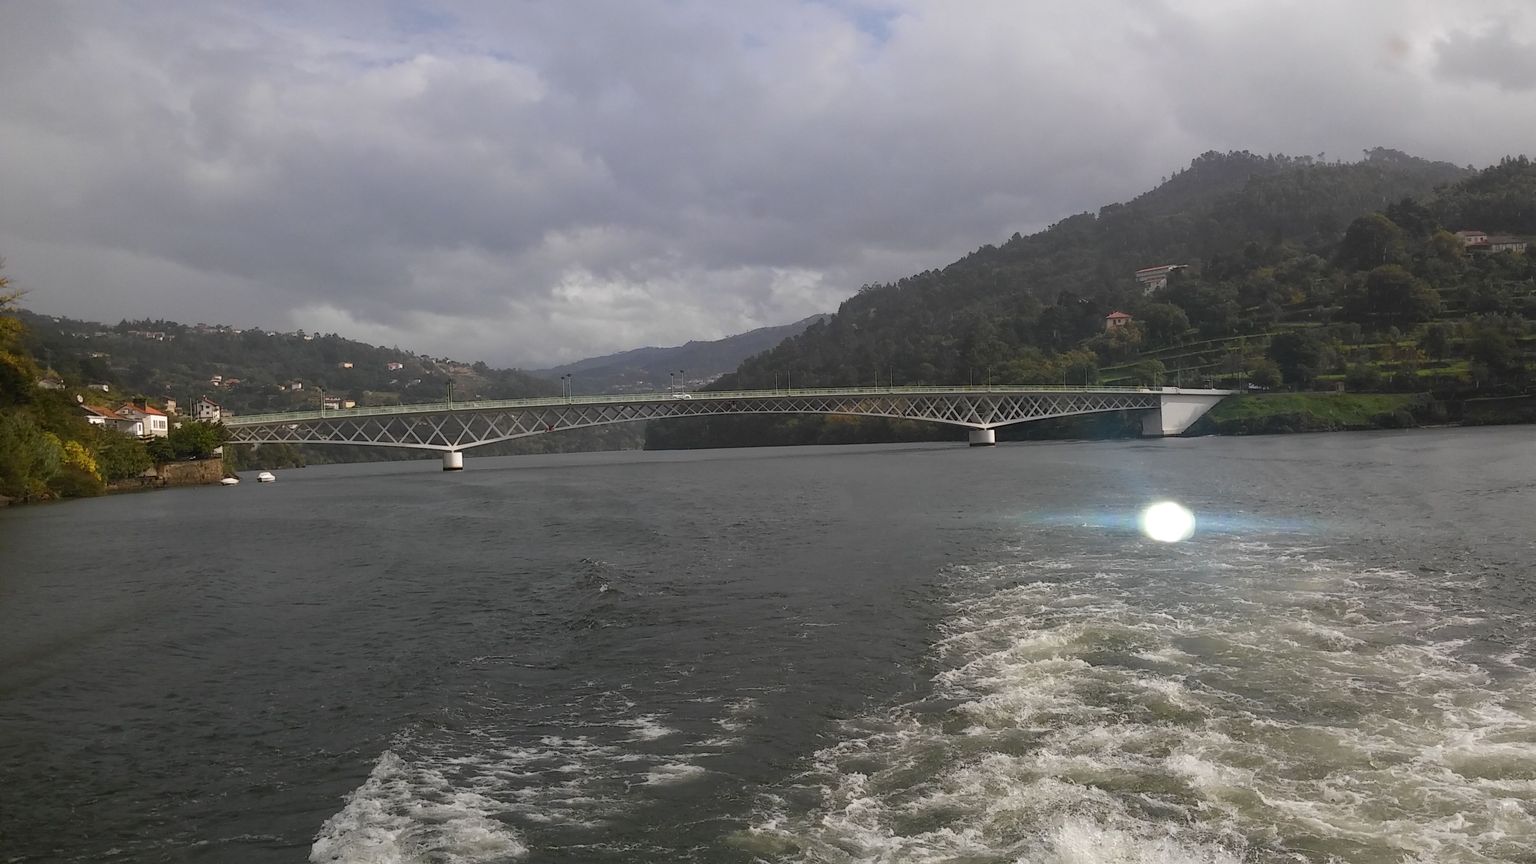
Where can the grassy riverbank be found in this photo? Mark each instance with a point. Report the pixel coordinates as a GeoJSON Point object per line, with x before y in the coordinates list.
{"type": "Point", "coordinates": [1270, 413]}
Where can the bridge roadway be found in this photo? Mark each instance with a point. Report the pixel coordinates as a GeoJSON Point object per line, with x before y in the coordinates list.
{"type": "Point", "coordinates": [452, 427]}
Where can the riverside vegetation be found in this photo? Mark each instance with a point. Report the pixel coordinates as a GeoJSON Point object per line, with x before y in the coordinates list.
{"type": "Point", "coordinates": [48, 450]}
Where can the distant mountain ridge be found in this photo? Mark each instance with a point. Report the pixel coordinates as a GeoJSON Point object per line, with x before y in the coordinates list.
{"type": "Point", "coordinates": [653, 368]}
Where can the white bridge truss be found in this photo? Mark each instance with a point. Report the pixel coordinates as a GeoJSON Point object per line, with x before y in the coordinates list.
{"type": "Point", "coordinates": [455, 426]}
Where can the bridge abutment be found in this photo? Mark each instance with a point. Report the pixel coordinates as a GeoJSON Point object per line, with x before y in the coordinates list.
{"type": "Point", "coordinates": [983, 437]}
{"type": "Point", "coordinates": [453, 460]}
{"type": "Point", "coordinates": [1177, 412]}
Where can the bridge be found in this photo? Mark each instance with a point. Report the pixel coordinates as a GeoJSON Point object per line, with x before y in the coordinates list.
{"type": "Point", "coordinates": [453, 427]}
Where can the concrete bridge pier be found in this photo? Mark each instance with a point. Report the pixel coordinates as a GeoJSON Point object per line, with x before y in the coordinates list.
{"type": "Point", "coordinates": [453, 460]}
{"type": "Point", "coordinates": [1177, 411]}
{"type": "Point", "coordinates": [983, 437]}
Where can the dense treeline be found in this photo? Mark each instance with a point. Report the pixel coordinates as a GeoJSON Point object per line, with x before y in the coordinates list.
{"type": "Point", "coordinates": [1301, 273]}
{"type": "Point", "coordinates": [48, 450]}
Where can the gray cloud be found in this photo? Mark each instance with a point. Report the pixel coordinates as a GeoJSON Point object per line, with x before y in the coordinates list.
{"type": "Point", "coordinates": [1491, 56]}
{"type": "Point", "coordinates": [542, 181]}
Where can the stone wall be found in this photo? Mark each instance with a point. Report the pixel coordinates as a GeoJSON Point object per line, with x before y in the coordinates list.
{"type": "Point", "coordinates": [203, 472]}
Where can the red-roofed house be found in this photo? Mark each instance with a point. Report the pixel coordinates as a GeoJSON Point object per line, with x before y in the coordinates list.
{"type": "Point", "coordinates": [106, 418]}
{"type": "Point", "coordinates": [1116, 319]}
{"type": "Point", "coordinates": [154, 421]}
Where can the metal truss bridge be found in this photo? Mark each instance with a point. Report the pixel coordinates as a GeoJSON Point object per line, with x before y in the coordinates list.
{"type": "Point", "coordinates": [452, 427]}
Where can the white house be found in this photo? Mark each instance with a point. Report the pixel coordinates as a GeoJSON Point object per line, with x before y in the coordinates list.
{"type": "Point", "coordinates": [152, 420]}
{"type": "Point", "coordinates": [1153, 278]}
{"type": "Point", "coordinates": [206, 409]}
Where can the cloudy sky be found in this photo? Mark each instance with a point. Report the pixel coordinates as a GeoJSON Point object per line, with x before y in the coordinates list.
{"type": "Point", "coordinates": [532, 182]}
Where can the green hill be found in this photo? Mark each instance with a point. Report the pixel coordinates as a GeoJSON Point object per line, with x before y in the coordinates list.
{"type": "Point", "coordinates": [1300, 274]}
{"type": "Point", "coordinates": [168, 360]}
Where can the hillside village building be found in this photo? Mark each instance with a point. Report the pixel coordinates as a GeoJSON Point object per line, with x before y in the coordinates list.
{"type": "Point", "coordinates": [106, 418]}
{"type": "Point", "coordinates": [153, 421]}
{"type": "Point", "coordinates": [207, 410]}
{"type": "Point", "coordinates": [1115, 320]}
{"type": "Point", "coordinates": [1153, 278]}
{"type": "Point", "coordinates": [1481, 241]}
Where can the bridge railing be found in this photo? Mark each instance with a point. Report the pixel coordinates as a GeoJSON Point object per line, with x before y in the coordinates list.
{"type": "Point", "coordinates": [712, 395]}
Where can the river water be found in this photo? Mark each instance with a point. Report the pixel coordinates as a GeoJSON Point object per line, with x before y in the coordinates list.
{"type": "Point", "coordinates": [855, 654]}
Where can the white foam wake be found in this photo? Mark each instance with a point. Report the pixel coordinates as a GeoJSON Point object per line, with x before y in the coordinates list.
{"type": "Point", "coordinates": [1145, 711]}
{"type": "Point", "coordinates": [409, 813]}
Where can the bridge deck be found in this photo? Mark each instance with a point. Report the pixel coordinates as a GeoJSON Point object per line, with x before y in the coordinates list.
{"type": "Point", "coordinates": [454, 426]}
{"type": "Point", "coordinates": [710, 395]}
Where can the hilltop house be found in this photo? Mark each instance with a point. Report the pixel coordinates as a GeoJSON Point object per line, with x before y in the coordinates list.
{"type": "Point", "coordinates": [1116, 319]}
{"type": "Point", "coordinates": [152, 421]}
{"type": "Point", "coordinates": [1153, 278]}
{"type": "Point", "coordinates": [1472, 237]}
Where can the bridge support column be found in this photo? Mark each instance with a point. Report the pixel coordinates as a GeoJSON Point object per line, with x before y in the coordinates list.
{"type": "Point", "coordinates": [983, 437]}
{"type": "Point", "coordinates": [453, 460]}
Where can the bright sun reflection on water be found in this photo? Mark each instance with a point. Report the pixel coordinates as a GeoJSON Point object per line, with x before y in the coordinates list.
{"type": "Point", "coordinates": [1167, 522]}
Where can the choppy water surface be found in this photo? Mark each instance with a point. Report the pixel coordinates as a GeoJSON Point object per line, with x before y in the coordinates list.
{"type": "Point", "coordinates": [924, 654]}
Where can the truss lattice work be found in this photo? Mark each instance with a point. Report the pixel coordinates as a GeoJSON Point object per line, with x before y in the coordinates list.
{"type": "Point", "coordinates": [463, 425]}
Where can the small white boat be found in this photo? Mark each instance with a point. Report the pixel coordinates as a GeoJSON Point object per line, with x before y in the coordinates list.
{"type": "Point", "coordinates": [230, 481]}
{"type": "Point", "coordinates": [265, 477]}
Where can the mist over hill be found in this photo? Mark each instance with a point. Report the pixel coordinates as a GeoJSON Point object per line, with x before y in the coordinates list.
{"type": "Point", "coordinates": [649, 369]}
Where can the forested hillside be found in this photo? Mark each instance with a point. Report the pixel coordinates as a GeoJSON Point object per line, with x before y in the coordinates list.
{"type": "Point", "coordinates": [650, 369]}
{"type": "Point", "coordinates": [254, 370]}
{"type": "Point", "coordinates": [1299, 273]}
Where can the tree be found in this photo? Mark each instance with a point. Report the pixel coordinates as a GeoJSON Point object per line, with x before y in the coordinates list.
{"type": "Point", "coordinates": [1391, 294]}
{"type": "Point", "coordinates": [1436, 341]}
{"type": "Point", "coordinates": [1298, 354]}
{"type": "Point", "coordinates": [18, 374]}
{"type": "Point", "coordinates": [196, 439]}
{"type": "Point", "coordinates": [1148, 373]}
{"type": "Point", "coordinates": [1414, 218]}
{"type": "Point", "coordinates": [1372, 241]}
{"type": "Point", "coordinates": [30, 455]}
{"type": "Point", "coordinates": [159, 450]}
{"type": "Point", "coordinates": [1491, 348]}
{"type": "Point", "coordinates": [1266, 374]}
{"type": "Point", "coordinates": [1163, 322]}
{"type": "Point", "coordinates": [1446, 246]}
{"type": "Point", "coordinates": [120, 456]}
{"type": "Point", "coordinates": [1362, 377]}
